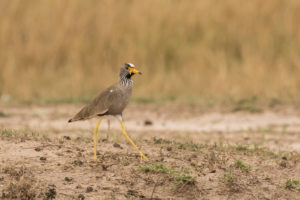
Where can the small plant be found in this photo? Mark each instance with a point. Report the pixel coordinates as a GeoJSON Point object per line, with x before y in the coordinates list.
{"type": "Point", "coordinates": [239, 164]}
{"type": "Point", "coordinates": [179, 177]}
{"type": "Point", "coordinates": [25, 134]}
{"type": "Point", "coordinates": [21, 183]}
{"type": "Point", "coordinates": [190, 146]}
{"type": "Point", "coordinates": [6, 132]}
{"type": "Point", "coordinates": [241, 148]}
{"type": "Point", "coordinates": [227, 178]}
{"type": "Point", "coordinates": [45, 136]}
{"type": "Point", "coordinates": [158, 168]}
{"type": "Point", "coordinates": [292, 184]}
{"type": "Point", "coordinates": [183, 178]}
{"type": "Point", "coordinates": [161, 141]}
{"type": "Point", "coordinates": [50, 193]}
{"type": "Point", "coordinates": [248, 105]}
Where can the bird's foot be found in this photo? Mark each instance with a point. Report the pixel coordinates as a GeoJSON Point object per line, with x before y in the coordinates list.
{"type": "Point", "coordinates": [96, 160]}
{"type": "Point", "coordinates": [143, 157]}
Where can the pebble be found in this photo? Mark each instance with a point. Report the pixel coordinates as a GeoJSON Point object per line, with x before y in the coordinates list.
{"type": "Point", "coordinates": [148, 122]}
{"type": "Point", "coordinates": [67, 137]}
{"type": "Point", "coordinates": [81, 197]}
{"type": "Point", "coordinates": [43, 158]}
{"type": "Point", "coordinates": [89, 189]}
{"type": "Point", "coordinates": [116, 145]}
{"type": "Point", "coordinates": [68, 179]}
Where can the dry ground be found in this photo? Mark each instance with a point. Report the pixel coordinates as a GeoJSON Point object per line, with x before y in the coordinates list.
{"type": "Point", "coordinates": [193, 154]}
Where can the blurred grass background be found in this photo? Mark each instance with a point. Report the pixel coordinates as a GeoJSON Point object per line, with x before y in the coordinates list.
{"type": "Point", "coordinates": [194, 51]}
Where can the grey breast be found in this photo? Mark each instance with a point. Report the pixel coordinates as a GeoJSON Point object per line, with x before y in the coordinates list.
{"type": "Point", "coordinates": [118, 99]}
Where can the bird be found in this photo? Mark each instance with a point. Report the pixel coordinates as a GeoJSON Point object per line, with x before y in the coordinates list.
{"type": "Point", "coordinates": [111, 102]}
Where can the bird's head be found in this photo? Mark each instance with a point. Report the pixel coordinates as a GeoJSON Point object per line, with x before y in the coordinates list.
{"type": "Point", "coordinates": [128, 70]}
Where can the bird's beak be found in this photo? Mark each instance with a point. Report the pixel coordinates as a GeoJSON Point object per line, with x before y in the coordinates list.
{"type": "Point", "coordinates": [134, 71]}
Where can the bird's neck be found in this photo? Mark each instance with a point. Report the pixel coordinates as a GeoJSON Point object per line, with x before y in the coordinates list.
{"type": "Point", "coordinates": [126, 81]}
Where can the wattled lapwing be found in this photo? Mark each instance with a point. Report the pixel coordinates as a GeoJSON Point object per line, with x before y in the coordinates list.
{"type": "Point", "coordinates": [111, 101]}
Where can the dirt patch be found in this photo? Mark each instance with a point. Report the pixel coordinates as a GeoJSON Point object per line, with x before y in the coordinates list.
{"type": "Point", "coordinates": [176, 170]}
{"type": "Point", "coordinates": [276, 129]}
{"type": "Point", "coordinates": [50, 161]}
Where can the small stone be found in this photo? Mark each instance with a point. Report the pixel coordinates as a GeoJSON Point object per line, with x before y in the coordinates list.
{"type": "Point", "coordinates": [67, 137]}
{"type": "Point", "coordinates": [68, 179]}
{"type": "Point", "coordinates": [89, 189]}
{"type": "Point", "coordinates": [284, 158]}
{"type": "Point", "coordinates": [51, 193]}
{"type": "Point", "coordinates": [148, 122]}
{"type": "Point", "coordinates": [104, 167]}
{"type": "Point", "coordinates": [116, 145]}
{"type": "Point", "coordinates": [78, 162]}
{"type": "Point", "coordinates": [283, 164]}
{"type": "Point", "coordinates": [78, 149]}
{"type": "Point", "coordinates": [43, 158]}
{"type": "Point", "coordinates": [78, 187]}
{"type": "Point", "coordinates": [169, 148]}
{"type": "Point", "coordinates": [37, 149]}
{"type": "Point", "coordinates": [213, 171]}
{"type": "Point", "coordinates": [132, 193]}
{"type": "Point", "coordinates": [60, 154]}
{"type": "Point", "coordinates": [193, 162]}
{"type": "Point", "coordinates": [81, 197]}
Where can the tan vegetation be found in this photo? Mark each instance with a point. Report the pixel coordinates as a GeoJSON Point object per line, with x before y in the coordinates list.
{"type": "Point", "coordinates": [195, 50]}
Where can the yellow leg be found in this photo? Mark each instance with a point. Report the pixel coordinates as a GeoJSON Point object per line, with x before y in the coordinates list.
{"type": "Point", "coordinates": [125, 134]}
{"type": "Point", "coordinates": [95, 140]}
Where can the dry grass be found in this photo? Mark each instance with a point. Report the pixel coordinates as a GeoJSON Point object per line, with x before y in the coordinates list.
{"type": "Point", "coordinates": [219, 50]}
{"type": "Point", "coordinates": [21, 184]}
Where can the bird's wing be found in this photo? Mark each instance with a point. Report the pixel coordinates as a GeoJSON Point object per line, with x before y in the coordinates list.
{"type": "Point", "coordinates": [99, 105]}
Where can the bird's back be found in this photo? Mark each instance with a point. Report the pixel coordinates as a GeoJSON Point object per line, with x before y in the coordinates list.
{"type": "Point", "coordinates": [111, 101]}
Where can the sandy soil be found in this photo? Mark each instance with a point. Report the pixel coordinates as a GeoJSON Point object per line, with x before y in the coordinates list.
{"type": "Point", "coordinates": [275, 130]}
{"type": "Point", "coordinates": [193, 154]}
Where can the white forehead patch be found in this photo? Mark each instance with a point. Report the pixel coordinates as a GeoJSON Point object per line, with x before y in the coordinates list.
{"type": "Point", "coordinates": [130, 64]}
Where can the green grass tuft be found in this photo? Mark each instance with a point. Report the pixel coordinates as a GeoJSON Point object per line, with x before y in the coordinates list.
{"type": "Point", "coordinates": [156, 168]}
{"type": "Point", "coordinates": [6, 132]}
{"type": "Point", "coordinates": [239, 164]}
{"type": "Point", "coordinates": [292, 184]}
{"type": "Point", "coordinates": [227, 178]}
{"type": "Point", "coordinates": [241, 148]}
{"type": "Point", "coordinates": [191, 146]}
{"type": "Point", "coordinates": [178, 177]}
{"type": "Point", "coordinates": [248, 105]}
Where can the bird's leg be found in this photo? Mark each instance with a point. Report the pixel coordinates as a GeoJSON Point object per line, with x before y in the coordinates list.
{"type": "Point", "coordinates": [95, 140]}
{"type": "Point", "coordinates": [125, 134]}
